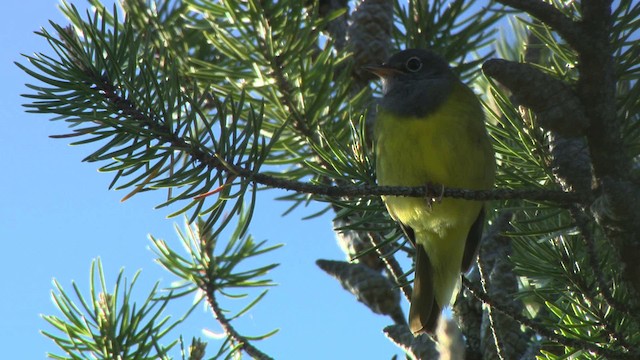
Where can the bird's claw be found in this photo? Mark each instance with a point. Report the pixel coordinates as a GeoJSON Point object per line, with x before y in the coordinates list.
{"type": "Point", "coordinates": [430, 199]}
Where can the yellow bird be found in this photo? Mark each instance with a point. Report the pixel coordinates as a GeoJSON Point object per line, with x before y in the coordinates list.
{"type": "Point", "coordinates": [430, 130]}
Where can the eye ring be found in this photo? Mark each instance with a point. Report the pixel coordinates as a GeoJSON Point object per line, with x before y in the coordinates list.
{"type": "Point", "coordinates": [413, 64]}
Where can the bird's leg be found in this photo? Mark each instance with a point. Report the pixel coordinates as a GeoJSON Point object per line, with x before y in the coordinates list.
{"type": "Point", "coordinates": [430, 199]}
{"type": "Point", "coordinates": [441, 195]}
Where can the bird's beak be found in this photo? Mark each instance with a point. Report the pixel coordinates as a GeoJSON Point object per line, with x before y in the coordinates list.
{"type": "Point", "coordinates": [381, 71]}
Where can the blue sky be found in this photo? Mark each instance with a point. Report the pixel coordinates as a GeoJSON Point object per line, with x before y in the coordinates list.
{"type": "Point", "coordinates": [57, 215]}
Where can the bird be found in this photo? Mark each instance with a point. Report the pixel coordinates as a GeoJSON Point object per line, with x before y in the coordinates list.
{"type": "Point", "coordinates": [430, 130]}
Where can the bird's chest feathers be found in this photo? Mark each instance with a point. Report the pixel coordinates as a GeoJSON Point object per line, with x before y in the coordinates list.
{"type": "Point", "coordinates": [413, 152]}
{"type": "Point", "coordinates": [447, 146]}
{"type": "Point", "coordinates": [416, 152]}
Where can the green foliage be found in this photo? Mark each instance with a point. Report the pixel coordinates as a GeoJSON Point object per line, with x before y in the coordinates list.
{"type": "Point", "coordinates": [203, 267]}
{"type": "Point", "coordinates": [108, 323]}
{"type": "Point", "coordinates": [113, 323]}
{"type": "Point", "coordinates": [627, 53]}
{"type": "Point", "coordinates": [212, 101]}
{"type": "Point", "coordinates": [454, 29]}
{"type": "Point", "coordinates": [209, 269]}
{"type": "Point", "coordinates": [568, 268]}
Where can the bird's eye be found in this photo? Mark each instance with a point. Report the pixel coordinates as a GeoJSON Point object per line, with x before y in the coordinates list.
{"type": "Point", "coordinates": [414, 64]}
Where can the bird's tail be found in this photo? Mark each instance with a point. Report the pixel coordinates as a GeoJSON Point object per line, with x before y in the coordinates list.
{"type": "Point", "coordinates": [425, 310]}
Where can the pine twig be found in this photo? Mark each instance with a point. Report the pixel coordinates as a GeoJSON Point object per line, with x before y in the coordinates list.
{"type": "Point", "coordinates": [243, 342]}
{"type": "Point", "coordinates": [589, 240]}
{"type": "Point", "coordinates": [391, 264]}
{"type": "Point", "coordinates": [164, 134]}
{"type": "Point", "coordinates": [542, 329]}
{"type": "Point", "coordinates": [551, 16]}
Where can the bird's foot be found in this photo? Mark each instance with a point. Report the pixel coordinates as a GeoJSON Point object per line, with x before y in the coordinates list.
{"type": "Point", "coordinates": [430, 199]}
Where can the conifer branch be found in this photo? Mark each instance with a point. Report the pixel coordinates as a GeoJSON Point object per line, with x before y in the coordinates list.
{"type": "Point", "coordinates": [618, 209]}
{"type": "Point", "coordinates": [391, 264]}
{"type": "Point", "coordinates": [604, 286]}
{"type": "Point", "coordinates": [499, 280]}
{"type": "Point", "coordinates": [543, 329]}
{"type": "Point", "coordinates": [119, 85]}
{"type": "Point", "coordinates": [596, 88]}
{"type": "Point", "coordinates": [242, 341]}
{"type": "Point", "coordinates": [161, 132]}
{"type": "Point", "coordinates": [550, 15]}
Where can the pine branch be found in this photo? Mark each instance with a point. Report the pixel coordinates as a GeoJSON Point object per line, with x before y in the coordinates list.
{"type": "Point", "coordinates": [137, 105]}
{"type": "Point", "coordinates": [543, 329]}
{"type": "Point", "coordinates": [108, 323]}
{"type": "Point", "coordinates": [556, 196]}
{"type": "Point", "coordinates": [499, 280]}
{"type": "Point", "coordinates": [553, 17]}
{"type": "Point", "coordinates": [618, 210]}
{"type": "Point", "coordinates": [596, 87]}
{"type": "Point", "coordinates": [593, 106]}
{"type": "Point", "coordinates": [391, 264]}
{"type": "Point", "coordinates": [629, 309]}
{"type": "Point", "coordinates": [213, 271]}
{"type": "Point", "coordinates": [242, 341]}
